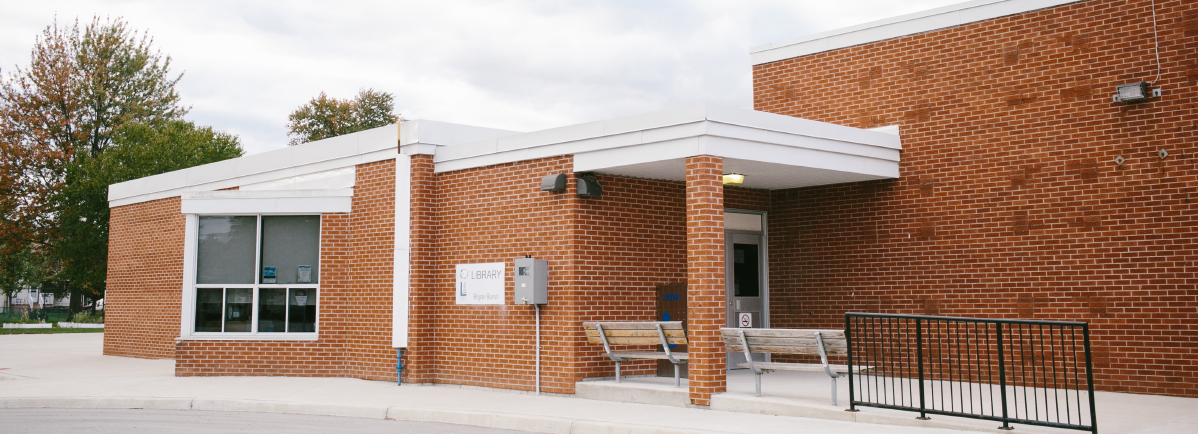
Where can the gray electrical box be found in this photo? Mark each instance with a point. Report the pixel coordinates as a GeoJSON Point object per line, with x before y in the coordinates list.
{"type": "Point", "coordinates": [529, 280]}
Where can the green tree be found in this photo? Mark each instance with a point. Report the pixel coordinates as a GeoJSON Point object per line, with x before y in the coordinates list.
{"type": "Point", "coordinates": [85, 92]}
{"type": "Point", "coordinates": [137, 150]}
{"type": "Point", "coordinates": [20, 269]}
{"type": "Point", "coordinates": [324, 117]}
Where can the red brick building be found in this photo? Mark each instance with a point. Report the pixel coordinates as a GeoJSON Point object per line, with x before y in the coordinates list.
{"type": "Point", "coordinates": [954, 162]}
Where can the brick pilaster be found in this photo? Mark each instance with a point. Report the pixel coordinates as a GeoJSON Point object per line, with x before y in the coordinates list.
{"type": "Point", "coordinates": [420, 356]}
{"type": "Point", "coordinates": [706, 277]}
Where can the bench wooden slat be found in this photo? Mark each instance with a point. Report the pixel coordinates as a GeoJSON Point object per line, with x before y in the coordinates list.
{"type": "Point", "coordinates": [645, 325]}
{"type": "Point", "coordinates": [785, 342]}
{"type": "Point", "coordinates": [784, 349]}
{"type": "Point", "coordinates": [802, 367]}
{"type": "Point", "coordinates": [641, 355]}
{"type": "Point", "coordinates": [826, 335]}
{"type": "Point", "coordinates": [624, 340]}
{"type": "Point", "coordinates": [637, 333]}
{"type": "Point", "coordinates": [807, 351]}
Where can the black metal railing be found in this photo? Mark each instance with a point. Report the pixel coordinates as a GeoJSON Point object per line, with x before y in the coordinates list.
{"type": "Point", "coordinates": [1009, 371]}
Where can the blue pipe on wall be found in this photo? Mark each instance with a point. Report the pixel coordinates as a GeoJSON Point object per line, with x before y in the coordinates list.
{"type": "Point", "coordinates": [399, 366]}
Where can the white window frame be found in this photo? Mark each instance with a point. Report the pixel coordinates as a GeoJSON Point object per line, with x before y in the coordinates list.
{"type": "Point", "coordinates": [188, 307]}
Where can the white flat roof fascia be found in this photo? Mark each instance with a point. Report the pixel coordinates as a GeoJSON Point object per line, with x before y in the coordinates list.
{"type": "Point", "coordinates": [813, 142]}
{"type": "Point", "coordinates": [445, 133]}
{"type": "Point", "coordinates": [725, 147]}
{"type": "Point", "coordinates": [325, 150]}
{"type": "Point", "coordinates": [626, 139]}
{"type": "Point", "coordinates": [894, 27]}
{"type": "Point", "coordinates": [697, 120]}
{"type": "Point", "coordinates": [377, 144]}
{"type": "Point", "coordinates": [418, 149]}
{"type": "Point", "coordinates": [667, 125]}
{"type": "Point", "coordinates": [800, 126]}
{"type": "Point", "coordinates": [259, 178]}
{"type": "Point", "coordinates": [330, 179]}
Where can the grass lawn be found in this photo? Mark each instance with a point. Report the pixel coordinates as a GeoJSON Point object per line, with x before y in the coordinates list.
{"type": "Point", "coordinates": [47, 331]}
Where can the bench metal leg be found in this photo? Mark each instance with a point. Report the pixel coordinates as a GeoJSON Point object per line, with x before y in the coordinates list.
{"type": "Point", "coordinates": [758, 384]}
{"type": "Point", "coordinates": [676, 375]}
{"type": "Point", "coordinates": [618, 372]}
{"type": "Point", "coordinates": [834, 389]}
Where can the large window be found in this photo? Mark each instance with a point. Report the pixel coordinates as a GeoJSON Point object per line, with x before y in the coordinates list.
{"type": "Point", "coordinates": [257, 274]}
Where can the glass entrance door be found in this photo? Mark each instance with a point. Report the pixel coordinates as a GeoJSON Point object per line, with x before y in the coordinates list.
{"type": "Point", "coordinates": [745, 286]}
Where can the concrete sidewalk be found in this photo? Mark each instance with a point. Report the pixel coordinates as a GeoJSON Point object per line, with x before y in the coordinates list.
{"type": "Point", "coordinates": [68, 371]}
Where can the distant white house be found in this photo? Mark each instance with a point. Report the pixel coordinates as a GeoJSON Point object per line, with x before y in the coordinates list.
{"type": "Point", "coordinates": [34, 299]}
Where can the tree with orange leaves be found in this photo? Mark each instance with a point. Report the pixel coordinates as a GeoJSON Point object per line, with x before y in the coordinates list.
{"type": "Point", "coordinates": [83, 88]}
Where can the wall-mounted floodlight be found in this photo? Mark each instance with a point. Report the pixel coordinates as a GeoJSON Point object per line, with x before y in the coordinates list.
{"type": "Point", "coordinates": [732, 178]}
{"type": "Point", "coordinates": [586, 185]}
{"type": "Point", "coordinates": [1163, 154]}
{"type": "Point", "coordinates": [1133, 93]}
{"type": "Point", "coordinates": [1119, 160]}
{"type": "Point", "coordinates": [556, 183]}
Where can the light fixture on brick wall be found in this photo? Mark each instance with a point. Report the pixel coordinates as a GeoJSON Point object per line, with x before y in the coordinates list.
{"type": "Point", "coordinates": [586, 185]}
{"type": "Point", "coordinates": [732, 178]}
{"type": "Point", "coordinates": [1119, 160]}
{"type": "Point", "coordinates": [556, 183]}
{"type": "Point", "coordinates": [1134, 93]}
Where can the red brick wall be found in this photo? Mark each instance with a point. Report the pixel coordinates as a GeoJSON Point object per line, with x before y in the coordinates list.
{"type": "Point", "coordinates": [706, 277]}
{"type": "Point", "coordinates": [355, 300]}
{"type": "Point", "coordinates": [420, 358]}
{"type": "Point", "coordinates": [606, 256]}
{"type": "Point", "coordinates": [747, 198]}
{"type": "Point", "coordinates": [145, 278]}
{"type": "Point", "coordinates": [362, 296]}
{"type": "Point", "coordinates": [1008, 204]}
{"type": "Point", "coordinates": [627, 242]}
{"type": "Point", "coordinates": [496, 214]}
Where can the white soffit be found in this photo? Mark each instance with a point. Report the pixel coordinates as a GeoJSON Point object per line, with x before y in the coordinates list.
{"type": "Point", "coordinates": [911, 24]}
{"type": "Point", "coordinates": [315, 165]}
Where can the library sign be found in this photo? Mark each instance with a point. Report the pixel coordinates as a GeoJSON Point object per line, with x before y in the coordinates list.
{"type": "Point", "coordinates": [479, 283]}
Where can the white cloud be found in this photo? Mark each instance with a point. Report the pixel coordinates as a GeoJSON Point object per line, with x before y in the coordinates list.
{"type": "Point", "coordinates": [520, 65]}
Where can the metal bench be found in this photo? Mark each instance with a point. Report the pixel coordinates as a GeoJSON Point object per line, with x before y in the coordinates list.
{"type": "Point", "coordinates": [789, 341]}
{"type": "Point", "coordinates": [661, 333]}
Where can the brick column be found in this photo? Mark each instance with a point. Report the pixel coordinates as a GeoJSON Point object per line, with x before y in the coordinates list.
{"type": "Point", "coordinates": [706, 277]}
{"type": "Point", "coordinates": [419, 357]}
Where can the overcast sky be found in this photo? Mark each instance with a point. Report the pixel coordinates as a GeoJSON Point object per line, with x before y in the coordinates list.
{"type": "Point", "coordinates": [518, 65]}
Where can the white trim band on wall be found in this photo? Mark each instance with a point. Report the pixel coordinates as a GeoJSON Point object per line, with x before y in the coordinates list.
{"type": "Point", "coordinates": [267, 202]}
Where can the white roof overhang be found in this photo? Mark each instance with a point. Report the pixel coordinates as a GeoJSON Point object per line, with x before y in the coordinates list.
{"type": "Point", "coordinates": [322, 165]}
{"type": "Point", "coordinates": [773, 151]}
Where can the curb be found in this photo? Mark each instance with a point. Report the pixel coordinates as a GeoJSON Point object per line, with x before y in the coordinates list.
{"type": "Point", "coordinates": [508, 421]}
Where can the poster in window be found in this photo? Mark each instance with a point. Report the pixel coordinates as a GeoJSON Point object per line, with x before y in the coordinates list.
{"type": "Point", "coordinates": [304, 274]}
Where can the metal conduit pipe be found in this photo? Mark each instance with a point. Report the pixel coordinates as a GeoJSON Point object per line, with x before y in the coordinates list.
{"type": "Point", "coordinates": [537, 327]}
{"type": "Point", "coordinates": [399, 366]}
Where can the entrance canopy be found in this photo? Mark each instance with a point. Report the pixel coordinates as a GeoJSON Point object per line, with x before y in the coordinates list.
{"type": "Point", "coordinates": [773, 151]}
